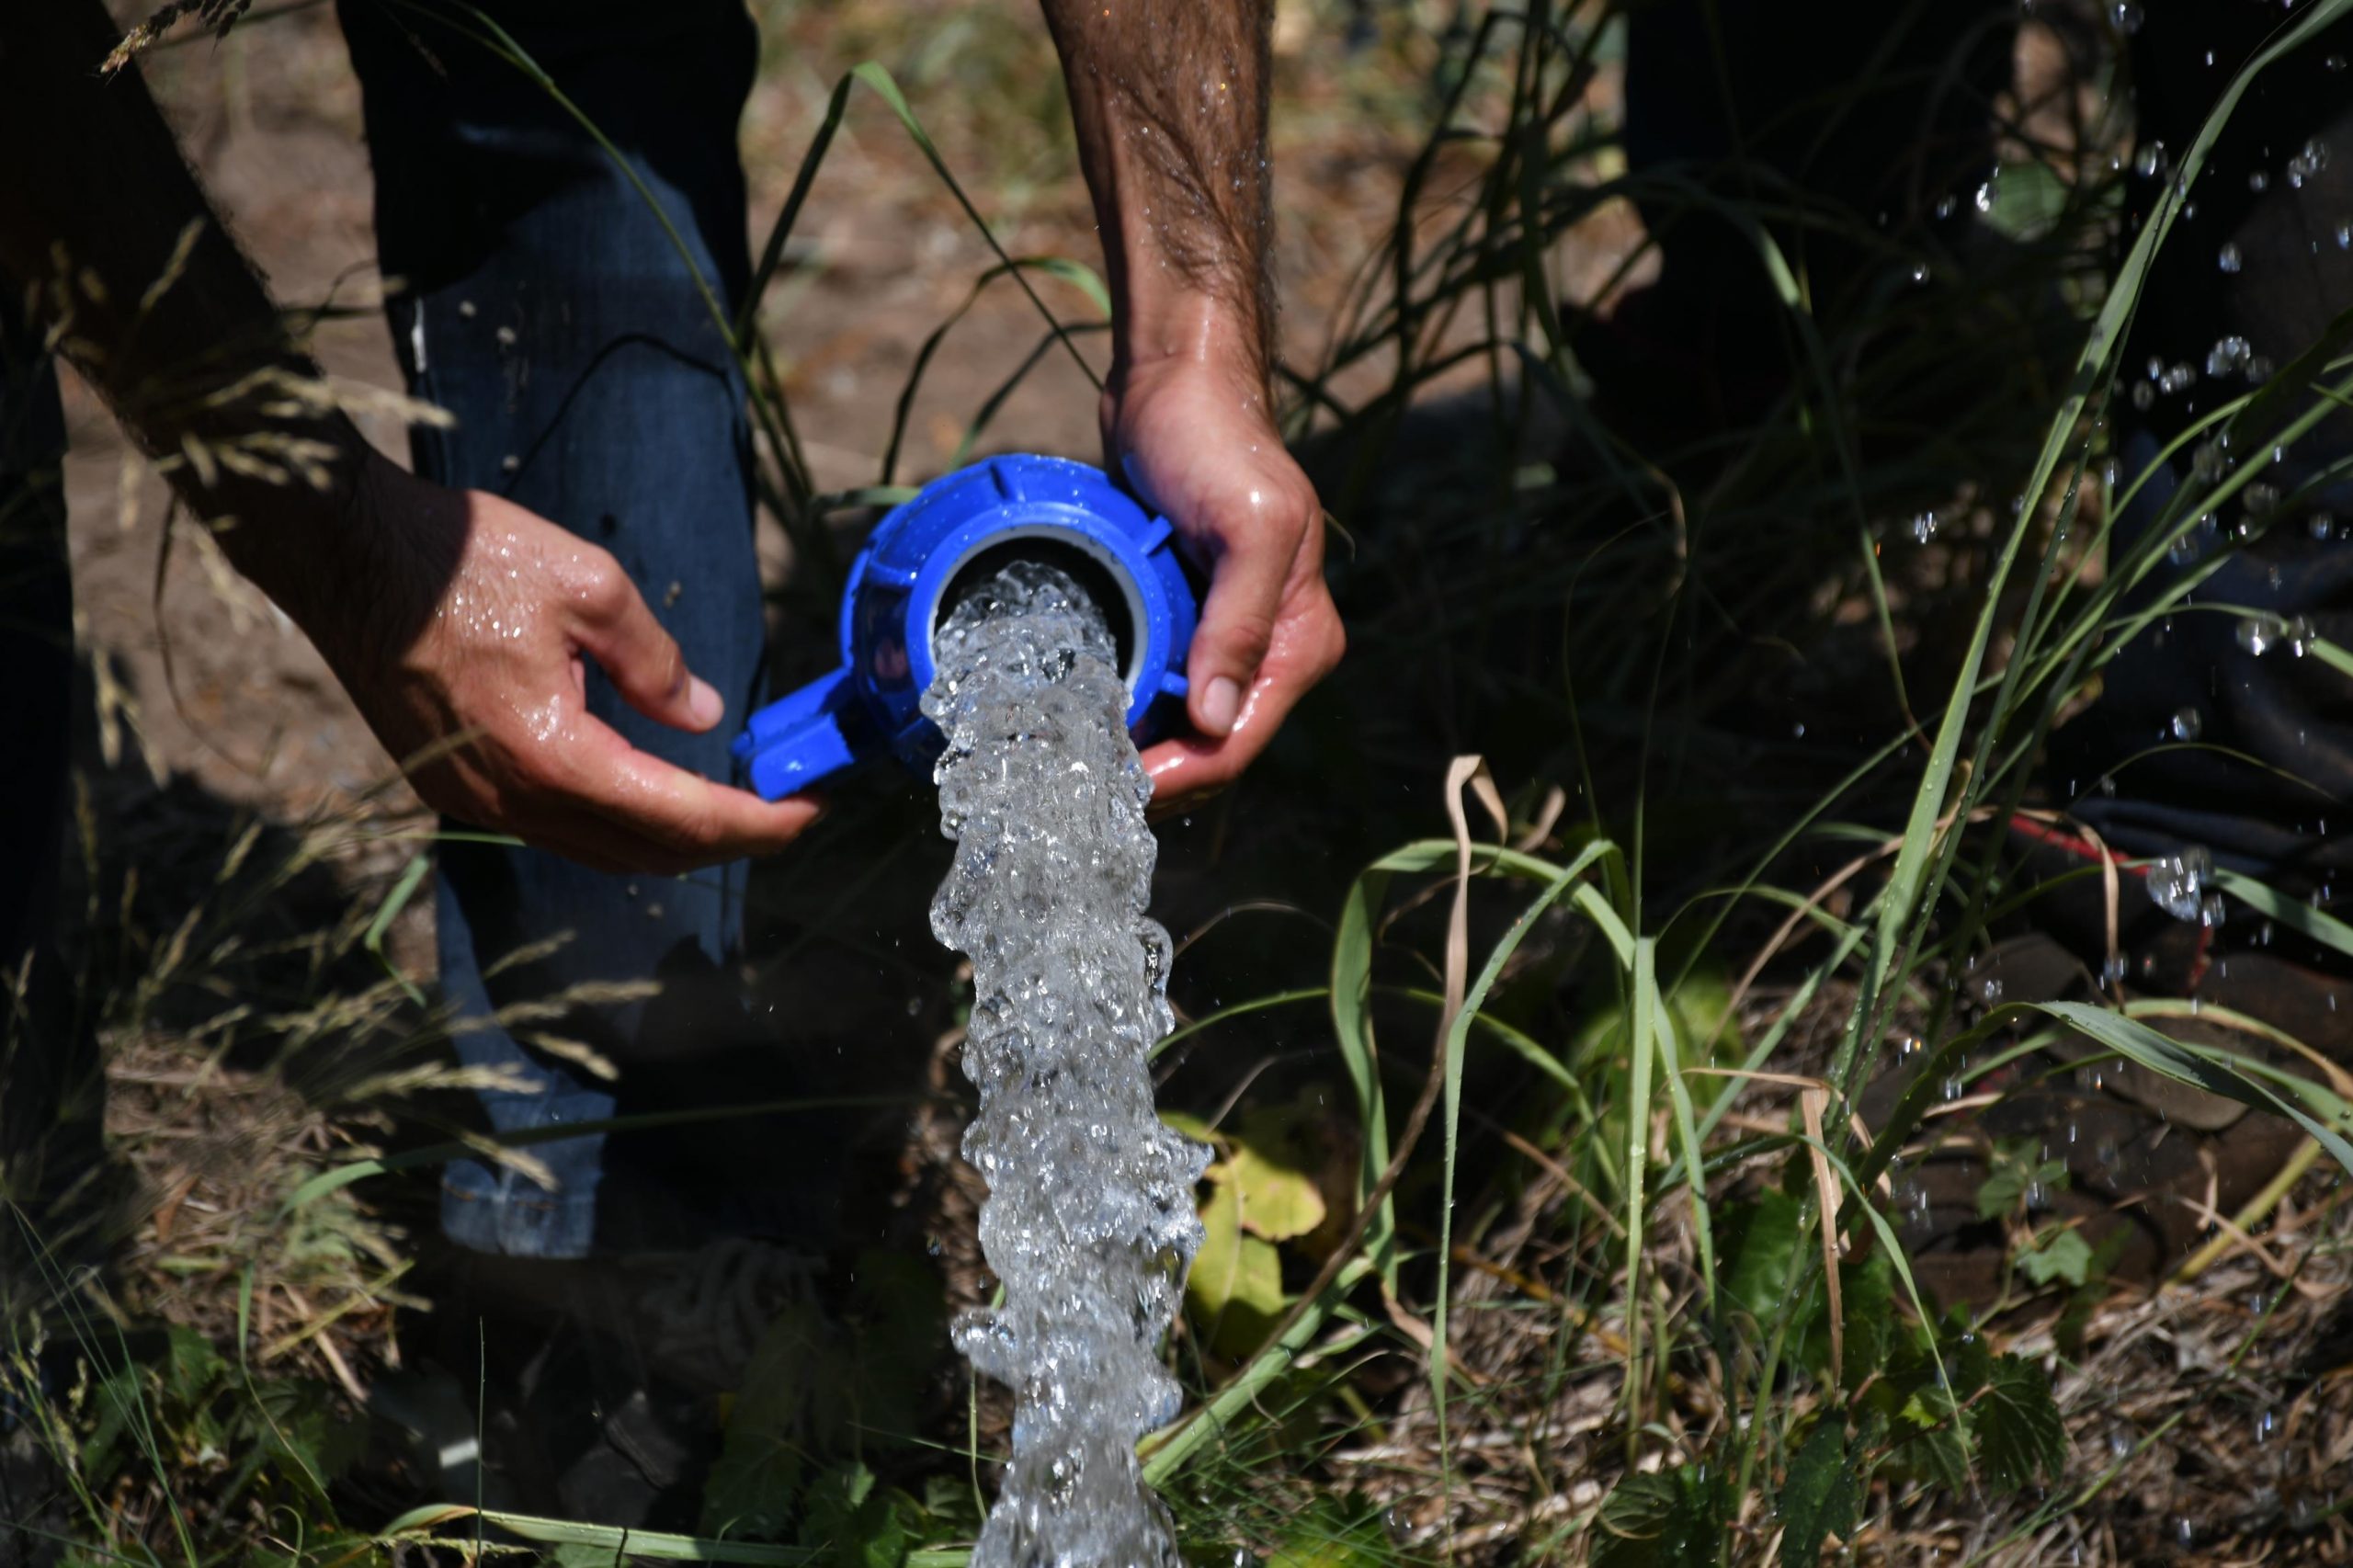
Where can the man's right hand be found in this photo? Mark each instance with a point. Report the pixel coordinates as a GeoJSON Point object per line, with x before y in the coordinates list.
{"type": "Point", "coordinates": [464, 635]}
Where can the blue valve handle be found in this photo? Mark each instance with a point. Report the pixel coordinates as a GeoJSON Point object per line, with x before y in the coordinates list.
{"type": "Point", "coordinates": [901, 581]}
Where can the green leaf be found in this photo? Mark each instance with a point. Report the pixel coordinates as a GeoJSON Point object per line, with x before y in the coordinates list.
{"type": "Point", "coordinates": [2212, 1071]}
{"type": "Point", "coordinates": [191, 1368]}
{"type": "Point", "coordinates": [2014, 1172]}
{"type": "Point", "coordinates": [816, 1384]}
{"type": "Point", "coordinates": [1761, 1242]}
{"type": "Point", "coordinates": [1674, 1518]}
{"type": "Point", "coordinates": [584, 1554]}
{"type": "Point", "coordinates": [1328, 1533]}
{"type": "Point", "coordinates": [1196, 1128]}
{"type": "Point", "coordinates": [2059, 1252]}
{"type": "Point", "coordinates": [1866, 1295]}
{"type": "Point", "coordinates": [1821, 1496]}
{"type": "Point", "coordinates": [855, 1524]}
{"type": "Point", "coordinates": [755, 1484]}
{"type": "Point", "coordinates": [950, 1510]}
{"type": "Point", "coordinates": [1272, 1169]}
{"type": "Point", "coordinates": [2016, 1422]}
{"type": "Point", "coordinates": [1235, 1290]}
{"type": "Point", "coordinates": [1930, 1440]}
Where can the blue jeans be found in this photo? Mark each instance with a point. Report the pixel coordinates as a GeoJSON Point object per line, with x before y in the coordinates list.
{"type": "Point", "coordinates": [572, 330]}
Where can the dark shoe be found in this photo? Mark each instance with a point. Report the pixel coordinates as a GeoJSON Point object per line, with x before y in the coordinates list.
{"type": "Point", "coordinates": [602, 1379]}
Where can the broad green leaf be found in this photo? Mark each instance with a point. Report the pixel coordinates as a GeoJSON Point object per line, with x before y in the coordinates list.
{"type": "Point", "coordinates": [1673, 1518]}
{"type": "Point", "coordinates": [1761, 1242]}
{"type": "Point", "coordinates": [191, 1366]}
{"type": "Point", "coordinates": [853, 1523]}
{"type": "Point", "coordinates": [2020, 1439]}
{"type": "Point", "coordinates": [2060, 1252]}
{"type": "Point", "coordinates": [2014, 1173]}
{"type": "Point", "coordinates": [1821, 1496]}
{"type": "Point", "coordinates": [1867, 1292]}
{"type": "Point", "coordinates": [1921, 1395]}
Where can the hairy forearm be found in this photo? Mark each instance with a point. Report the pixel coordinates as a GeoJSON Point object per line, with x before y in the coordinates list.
{"type": "Point", "coordinates": [146, 292]}
{"type": "Point", "coordinates": [1169, 99]}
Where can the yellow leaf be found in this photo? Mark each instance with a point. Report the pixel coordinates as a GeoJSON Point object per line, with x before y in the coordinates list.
{"type": "Point", "coordinates": [1274, 1172]}
{"type": "Point", "coordinates": [1192, 1127]}
{"type": "Point", "coordinates": [1235, 1290]}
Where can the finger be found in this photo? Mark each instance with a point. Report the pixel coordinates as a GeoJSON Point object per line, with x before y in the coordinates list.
{"type": "Point", "coordinates": [1307, 644]}
{"type": "Point", "coordinates": [1237, 625]}
{"type": "Point", "coordinates": [697, 822]}
{"type": "Point", "coordinates": [612, 624]}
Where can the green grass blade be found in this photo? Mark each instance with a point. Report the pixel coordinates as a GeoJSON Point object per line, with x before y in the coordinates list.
{"type": "Point", "coordinates": [1641, 1044]}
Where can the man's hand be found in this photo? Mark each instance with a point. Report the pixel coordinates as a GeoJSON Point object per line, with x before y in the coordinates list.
{"type": "Point", "coordinates": [1169, 101]}
{"type": "Point", "coordinates": [1194, 441]}
{"type": "Point", "coordinates": [460, 624]}
{"type": "Point", "coordinates": [469, 653]}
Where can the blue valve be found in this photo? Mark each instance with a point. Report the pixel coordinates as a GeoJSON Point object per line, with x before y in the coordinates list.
{"type": "Point", "coordinates": [958, 531]}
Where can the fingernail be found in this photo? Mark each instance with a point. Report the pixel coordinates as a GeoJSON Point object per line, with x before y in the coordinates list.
{"type": "Point", "coordinates": [703, 703]}
{"type": "Point", "coordinates": [1221, 704]}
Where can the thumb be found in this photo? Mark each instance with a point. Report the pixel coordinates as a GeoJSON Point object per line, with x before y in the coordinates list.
{"type": "Point", "coordinates": [1237, 624]}
{"type": "Point", "coordinates": [615, 628]}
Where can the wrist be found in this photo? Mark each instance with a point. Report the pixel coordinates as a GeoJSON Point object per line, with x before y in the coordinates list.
{"type": "Point", "coordinates": [1177, 331]}
{"type": "Point", "coordinates": [1185, 337]}
{"type": "Point", "coordinates": [296, 509]}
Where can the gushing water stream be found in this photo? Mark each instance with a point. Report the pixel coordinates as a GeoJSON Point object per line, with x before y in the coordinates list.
{"type": "Point", "coordinates": [1089, 1223]}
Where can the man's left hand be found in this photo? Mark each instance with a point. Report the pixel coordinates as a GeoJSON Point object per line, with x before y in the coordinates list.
{"type": "Point", "coordinates": [1194, 441]}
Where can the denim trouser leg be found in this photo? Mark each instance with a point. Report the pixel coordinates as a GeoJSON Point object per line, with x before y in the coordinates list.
{"type": "Point", "coordinates": [547, 307]}
{"type": "Point", "coordinates": [2268, 786]}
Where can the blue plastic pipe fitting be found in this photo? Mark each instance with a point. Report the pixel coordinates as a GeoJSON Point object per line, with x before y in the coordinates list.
{"type": "Point", "coordinates": [961, 528]}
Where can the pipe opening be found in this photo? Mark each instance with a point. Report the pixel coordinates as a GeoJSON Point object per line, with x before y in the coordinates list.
{"type": "Point", "coordinates": [1095, 577]}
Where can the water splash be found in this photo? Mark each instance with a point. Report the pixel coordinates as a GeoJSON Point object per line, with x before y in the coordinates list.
{"type": "Point", "coordinates": [2180, 885]}
{"type": "Point", "coordinates": [1089, 1223]}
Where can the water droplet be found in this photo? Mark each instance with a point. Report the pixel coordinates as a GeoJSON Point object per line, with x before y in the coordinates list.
{"type": "Point", "coordinates": [2187, 724]}
{"type": "Point", "coordinates": [2176, 883]}
{"type": "Point", "coordinates": [2150, 161]}
{"type": "Point", "coordinates": [2194, 543]}
{"type": "Point", "coordinates": [2227, 258]}
{"type": "Point", "coordinates": [2229, 354]}
{"type": "Point", "coordinates": [1924, 528]}
{"type": "Point", "coordinates": [2126, 14]}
